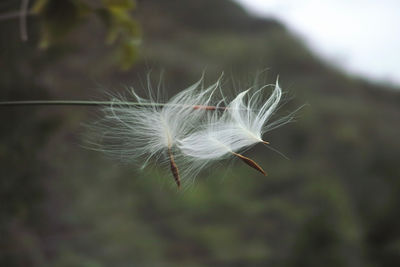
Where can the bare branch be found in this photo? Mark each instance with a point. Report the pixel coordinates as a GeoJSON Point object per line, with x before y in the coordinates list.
{"type": "Point", "coordinates": [93, 103]}
{"type": "Point", "coordinates": [14, 15]}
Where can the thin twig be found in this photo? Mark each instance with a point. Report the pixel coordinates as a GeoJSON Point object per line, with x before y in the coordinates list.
{"type": "Point", "coordinates": [68, 103]}
{"type": "Point", "coordinates": [15, 15]}
{"type": "Point", "coordinates": [92, 103]}
{"type": "Point", "coordinates": [22, 20]}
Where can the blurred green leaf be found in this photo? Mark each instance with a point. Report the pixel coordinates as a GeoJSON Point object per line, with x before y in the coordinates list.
{"type": "Point", "coordinates": [58, 18]}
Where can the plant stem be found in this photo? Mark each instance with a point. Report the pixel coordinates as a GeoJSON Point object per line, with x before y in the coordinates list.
{"type": "Point", "coordinates": [90, 103]}
{"type": "Point", "coordinates": [71, 103]}
{"type": "Point", "coordinates": [14, 15]}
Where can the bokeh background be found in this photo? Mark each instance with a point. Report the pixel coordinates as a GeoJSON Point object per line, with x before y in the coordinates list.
{"type": "Point", "coordinates": [334, 203]}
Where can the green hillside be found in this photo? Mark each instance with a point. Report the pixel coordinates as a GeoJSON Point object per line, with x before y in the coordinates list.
{"type": "Point", "coordinates": [334, 203]}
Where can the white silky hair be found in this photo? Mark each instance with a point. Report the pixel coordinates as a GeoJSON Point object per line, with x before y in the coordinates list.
{"type": "Point", "coordinates": [247, 121]}
{"type": "Point", "coordinates": [242, 125]}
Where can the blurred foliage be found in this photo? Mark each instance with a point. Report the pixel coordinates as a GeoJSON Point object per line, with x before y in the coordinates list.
{"type": "Point", "coordinates": [335, 203]}
{"type": "Point", "coordinates": [58, 18]}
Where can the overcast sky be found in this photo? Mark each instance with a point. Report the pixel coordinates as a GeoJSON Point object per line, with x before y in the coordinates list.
{"type": "Point", "coordinates": [362, 36]}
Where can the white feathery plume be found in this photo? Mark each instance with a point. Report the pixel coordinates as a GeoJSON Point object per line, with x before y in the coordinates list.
{"type": "Point", "coordinates": [242, 125]}
{"type": "Point", "coordinates": [152, 131]}
{"type": "Point", "coordinates": [245, 122]}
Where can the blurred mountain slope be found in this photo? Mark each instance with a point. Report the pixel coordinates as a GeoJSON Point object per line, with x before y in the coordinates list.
{"type": "Point", "coordinates": [334, 203]}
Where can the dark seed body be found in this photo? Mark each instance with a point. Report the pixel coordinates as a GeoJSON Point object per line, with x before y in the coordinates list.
{"type": "Point", "coordinates": [251, 163]}
{"type": "Point", "coordinates": [174, 168]}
